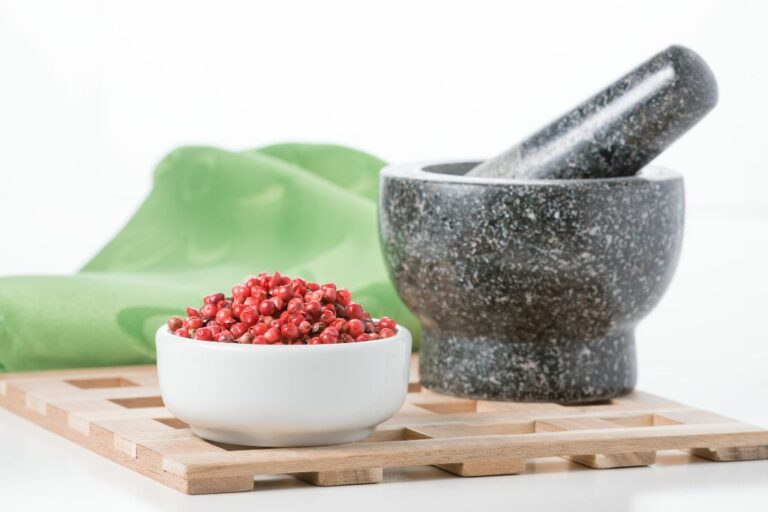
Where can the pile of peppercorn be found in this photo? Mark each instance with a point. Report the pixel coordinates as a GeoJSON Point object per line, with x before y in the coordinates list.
{"type": "Point", "coordinates": [278, 310]}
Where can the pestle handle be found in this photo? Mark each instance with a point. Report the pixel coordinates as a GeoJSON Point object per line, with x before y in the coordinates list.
{"type": "Point", "coordinates": [620, 129]}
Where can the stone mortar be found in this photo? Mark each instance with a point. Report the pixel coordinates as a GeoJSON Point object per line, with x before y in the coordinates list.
{"type": "Point", "coordinates": [529, 290]}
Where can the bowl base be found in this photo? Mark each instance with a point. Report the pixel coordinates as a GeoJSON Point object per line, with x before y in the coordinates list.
{"type": "Point", "coordinates": [561, 371]}
{"type": "Point", "coordinates": [281, 440]}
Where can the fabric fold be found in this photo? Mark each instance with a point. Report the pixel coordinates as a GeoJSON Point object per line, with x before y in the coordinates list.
{"type": "Point", "coordinates": [212, 218]}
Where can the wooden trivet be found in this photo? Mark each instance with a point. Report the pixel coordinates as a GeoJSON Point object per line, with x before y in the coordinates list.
{"type": "Point", "coordinates": [118, 413]}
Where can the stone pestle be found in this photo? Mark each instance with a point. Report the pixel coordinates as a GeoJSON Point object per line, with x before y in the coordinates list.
{"type": "Point", "coordinates": [619, 130]}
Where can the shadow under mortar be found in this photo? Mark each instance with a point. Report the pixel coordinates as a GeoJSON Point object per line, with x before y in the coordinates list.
{"type": "Point", "coordinates": [529, 290]}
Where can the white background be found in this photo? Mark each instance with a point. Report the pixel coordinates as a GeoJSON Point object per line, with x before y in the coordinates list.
{"type": "Point", "coordinates": [93, 94]}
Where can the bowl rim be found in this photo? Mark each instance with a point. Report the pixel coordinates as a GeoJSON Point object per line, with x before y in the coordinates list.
{"type": "Point", "coordinates": [401, 332]}
{"type": "Point", "coordinates": [416, 171]}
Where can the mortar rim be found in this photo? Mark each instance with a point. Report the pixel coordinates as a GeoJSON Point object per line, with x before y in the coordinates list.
{"type": "Point", "coordinates": [416, 171]}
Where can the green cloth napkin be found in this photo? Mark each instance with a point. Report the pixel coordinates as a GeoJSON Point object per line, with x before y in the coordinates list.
{"type": "Point", "coordinates": [212, 218]}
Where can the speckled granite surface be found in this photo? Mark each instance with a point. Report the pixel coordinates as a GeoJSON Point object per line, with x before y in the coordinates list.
{"type": "Point", "coordinates": [529, 290]}
{"type": "Point", "coordinates": [620, 129]}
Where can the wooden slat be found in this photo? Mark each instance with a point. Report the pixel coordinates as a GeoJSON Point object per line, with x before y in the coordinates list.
{"type": "Point", "coordinates": [598, 460]}
{"type": "Point", "coordinates": [117, 412]}
{"type": "Point", "coordinates": [465, 449]}
{"type": "Point", "coordinates": [344, 477]}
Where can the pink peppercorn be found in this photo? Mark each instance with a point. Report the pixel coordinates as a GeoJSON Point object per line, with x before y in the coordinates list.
{"type": "Point", "coordinates": [194, 322]}
{"type": "Point", "coordinates": [343, 297]}
{"type": "Point", "coordinates": [174, 323]}
{"type": "Point", "coordinates": [289, 331]}
{"type": "Point", "coordinates": [213, 298]}
{"type": "Point", "coordinates": [208, 311]}
{"type": "Point", "coordinates": [223, 315]}
{"type": "Point", "coordinates": [238, 329]}
{"type": "Point", "coordinates": [240, 292]}
{"type": "Point", "coordinates": [272, 335]}
{"type": "Point", "coordinates": [237, 308]}
{"type": "Point", "coordinates": [355, 327]}
{"type": "Point", "coordinates": [249, 316]}
{"type": "Point", "coordinates": [354, 310]}
{"type": "Point", "coordinates": [204, 334]}
{"type": "Point", "coordinates": [276, 309]}
{"type": "Point", "coordinates": [225, 337]}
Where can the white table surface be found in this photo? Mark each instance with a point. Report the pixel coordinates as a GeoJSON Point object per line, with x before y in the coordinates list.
{"type": "Point", "coordinates": [705, 345]}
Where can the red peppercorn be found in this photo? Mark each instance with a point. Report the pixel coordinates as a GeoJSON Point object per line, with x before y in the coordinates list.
{"type": "Point", "coordinates": [329, 292]}
{"type": "Point", "coordinates": [174, 323]}
{"type": "Point", "coordinates": [246, 338]}
{"type": "Point", "coordinates": [267, 307]}
{"type": "Point", "coordinates": [276, 309]}
{"type": "Point", "coordinates": [340, 325]}
{"type": "Point", "coordinates": [258, 293]}
{"type": "Point", "coordinates": [313, 309]}
{"type": "Point", "coordinates": [355, 327]}
{"type": "Point", "coordinates": [213, 298]}
{"type": "Point", "coordinates": [353, 310]}
{"type": "Point", "coordinates": [223, 315]}
{"type": "Point", "coordinates": [295, 305]}
{"type": "Point", "coordinates": [290, 331]}
{"type": "Point", "coordinates": [240, 292]}
{"type": "Point", "coordinates": [329, 335]}
{"type": "Point", "coordinates": [299, 286]}
{"type": "Point", "coordinates": [343, 297]}
{"type": "Point", "coordinates": [237, 308]}
{"type": "Point", "coordinates": [214, 327]}
{"type": "Point", "coordinates": [208, 311]}
{"type": "Point", "coordinates": [272, 335]}
{"type": "Point", "coordinates": [387, 323]}
{"type": "Point", "coordinates": [249, 316]}
{"type": "Point", "coordinates": [284, 293]}
{"type": "Point", "coordinates": [225, 337]}
{"type": "Point", "coordinates": [193, 322]}
{"type": "Point", "coordinates": [238, 329]}
{"type": "Point", "coordinates": [327, 339]}
{"type": "Point", "coordinates": [203, 334]}
{"type": "Point", "coordinates": [327, 316]}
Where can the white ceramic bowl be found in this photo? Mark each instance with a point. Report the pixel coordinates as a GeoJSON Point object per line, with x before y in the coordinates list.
{"type": "Point", "coordinates": [283, 395]}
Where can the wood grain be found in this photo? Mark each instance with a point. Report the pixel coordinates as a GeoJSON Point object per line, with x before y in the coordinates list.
{"type": "Point", "coordinates": [118, 413]}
